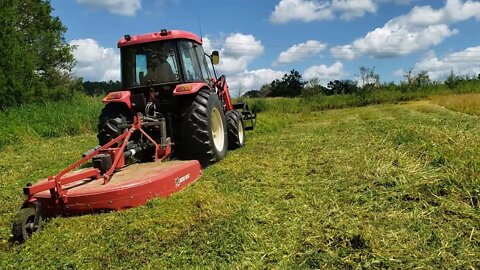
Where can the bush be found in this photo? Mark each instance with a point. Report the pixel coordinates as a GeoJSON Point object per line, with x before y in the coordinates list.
{"type": "Point", "coordinates": [257, 105]}
{"type": "Point", "coordinates": [49, 119]}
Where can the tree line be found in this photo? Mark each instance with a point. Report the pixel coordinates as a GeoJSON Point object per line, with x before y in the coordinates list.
{"type": "Point", "coordinates": [293, 85]}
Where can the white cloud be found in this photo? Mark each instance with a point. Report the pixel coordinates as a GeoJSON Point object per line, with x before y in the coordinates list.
{"type": "Point", "coordinates": [466, 62]}
{"type": "Point", "coordinates": [207, 45]}
{"type": "Point", "coordinates": [95, 63]}
{"type": "Point", "coordinates": [313, 10]}
{"type": "Point", "coordinates": [122, 7]}
{"type": "Point", "coordinates": [453, 11]}
{"type": "Point", "coordinates": [237, 52]}
{"type": "Point", "coordinates": [420, 29]}
{"type": "Point", "coordinates": [240, 45]}
{"type": "Point", "coordinates": [300, 51]}
{"type": "Point", "coordinates": [351, 9]}
{"type": "Point", "coordinates": [307, 11]}
{"type": "Point", "coordinates": [252, 80]}
{"type": "Point", "coordinates": [394, 40]}
{"type": "Point", "coordinates": [325, 73]}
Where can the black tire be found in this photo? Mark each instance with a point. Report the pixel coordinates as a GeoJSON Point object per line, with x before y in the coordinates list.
{"type": "Point", "coordinates": [112, 116]}
{"type": "Point", "coordinates": [23, 224]}
{"type": "Point", "coordinates": [204, 132]}
{"type": "Point", "coordinates": [235, 129]}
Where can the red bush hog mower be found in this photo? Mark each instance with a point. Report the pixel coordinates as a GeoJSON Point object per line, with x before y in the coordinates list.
{"type": "Point", "coordinates": [170, 108]}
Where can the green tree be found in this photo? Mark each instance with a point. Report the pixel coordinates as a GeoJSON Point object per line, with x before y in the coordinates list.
{"type": "Point", "coordinates": [341, 87]}
{"type": "Point", "coordinates": [35, 60]}
{"type": "Point", "coordinates": [422, 79]}
{"type": "Point", "coordinates": [252, 94]}
{"type": "Point", "coordinates": [291, 85]}
{"type": "Point", "coordinates": [312, 88]}
{"type": "Point", "coordinates": [265, 90]}
{"type": "Point", "coordinates": [452, 80]}
{"type": "Point", "coordinates": [101, 88]}
{"type": "Point", "coordinates": [368, 77]}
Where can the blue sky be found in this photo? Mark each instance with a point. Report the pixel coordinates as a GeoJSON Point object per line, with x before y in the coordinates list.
{"type": "Point", "coordinates": [263, 39]}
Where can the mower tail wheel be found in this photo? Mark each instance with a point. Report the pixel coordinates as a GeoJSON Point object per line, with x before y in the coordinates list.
{"type": "Point", "coordinates": [236, 129]}
{"type": "Point", "coordinates": [24, 224]}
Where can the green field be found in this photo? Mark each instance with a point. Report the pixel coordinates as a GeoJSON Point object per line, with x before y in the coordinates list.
{"type": "Point", "coordinates": [378, 186]}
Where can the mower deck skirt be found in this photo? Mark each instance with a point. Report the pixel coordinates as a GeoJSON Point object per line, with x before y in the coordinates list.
{"type": "Point", "coordinates": [131, 186]}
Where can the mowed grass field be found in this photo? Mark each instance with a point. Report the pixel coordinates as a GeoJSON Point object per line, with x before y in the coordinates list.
{"type": "Point", "coordinates": [385, 186]}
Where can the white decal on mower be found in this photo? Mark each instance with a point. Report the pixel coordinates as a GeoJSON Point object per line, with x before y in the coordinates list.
{"type": "Point", "coordinates": [180, 180]}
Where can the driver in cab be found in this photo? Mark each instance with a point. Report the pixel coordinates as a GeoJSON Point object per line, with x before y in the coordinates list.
{"type": "Point", "coordinates": [158, 70]}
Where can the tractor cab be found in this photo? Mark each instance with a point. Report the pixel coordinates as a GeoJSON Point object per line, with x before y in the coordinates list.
{"type": "Point", "coordinates": [165, 58]}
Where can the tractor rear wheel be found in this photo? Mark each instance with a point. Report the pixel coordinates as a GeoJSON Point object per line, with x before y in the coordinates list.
{"type": "Point", "coordinates": [204, 129]}
{"type": "Point", "coordinates": [236, 129]}
{"type": "Point", "coordinates": [24, 224]}
{"type": "Point", "coordinates": [111, 121]}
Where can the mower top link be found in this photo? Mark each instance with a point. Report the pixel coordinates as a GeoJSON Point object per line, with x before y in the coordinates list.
{"type": "Point", "coordinates": [170, 108]}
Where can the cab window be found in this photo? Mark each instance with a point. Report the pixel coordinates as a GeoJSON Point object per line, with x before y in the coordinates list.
{"type": "Point", "coordinates": [147, 64]}
{"type": "Point", "coordinates": [203, 63]}
{"type": "Point", "coordinates": [191, 66]}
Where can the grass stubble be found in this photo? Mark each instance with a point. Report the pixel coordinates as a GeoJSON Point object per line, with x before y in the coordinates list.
{"type": "Point", "coordinates": [378, 186]}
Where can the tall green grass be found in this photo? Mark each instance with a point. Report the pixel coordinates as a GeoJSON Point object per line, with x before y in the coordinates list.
{"type": "Point", "coordinates": [379, 95]}
{"type": "Point", "coordinates": [49, 120]}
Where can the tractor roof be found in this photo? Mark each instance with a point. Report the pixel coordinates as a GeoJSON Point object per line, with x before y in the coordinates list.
{"type": "Point", "coordinates": [157, 36]}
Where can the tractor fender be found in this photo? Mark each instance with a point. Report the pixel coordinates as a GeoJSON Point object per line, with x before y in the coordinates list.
{"type": "Point", "coordinates": [189, 88]}
{"type": "Point", "coordinates": [119, 97]}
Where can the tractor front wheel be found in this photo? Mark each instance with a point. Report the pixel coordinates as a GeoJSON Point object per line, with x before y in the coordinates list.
{"type": "Point", "coordinates": [204, 129]}
{"type": "Point", "coordinates": [236, 129]}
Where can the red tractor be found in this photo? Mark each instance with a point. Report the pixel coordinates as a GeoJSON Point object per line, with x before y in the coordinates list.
{"type": "Point", "coordinates": [170, 106]}
{"type": "Point", "coordinates": [167, 78]}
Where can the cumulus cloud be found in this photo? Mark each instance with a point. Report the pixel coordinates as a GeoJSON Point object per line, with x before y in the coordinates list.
{"type": "Point", "coordinates": [313, 10]}
{"type": "Point", "coordinates": [240, 45]}
{"type": "Point", "coordinates": [236, 52]}
{"type": "Point", "coordinates": [121, 7]}
{"type": "Point", "coordinates": [466, 62]}
{"type": "Point", "coordinates": [420, 29]}
{"type": "Point", "coordinates": [351, 9]}
{"type": "Point", "coordinates": [394, 40]}
{"type": "Point", "coordinates": [453, 11]}
{"type": "Point", "coordinates": [207, 44]}
{"type": "Point", "coordinates": [94, 62]}
{"type": "Point", "coordinates": [300, 51]}
{"type": "Point", "coordinates": [325, 73]}
{"type": "Point", "coordinates": [253, 80]}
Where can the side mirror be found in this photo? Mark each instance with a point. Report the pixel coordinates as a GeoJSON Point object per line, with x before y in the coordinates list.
{"type": "Point", "coordinates": [215, 57]}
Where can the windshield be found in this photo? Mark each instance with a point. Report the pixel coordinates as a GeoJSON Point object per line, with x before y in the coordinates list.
{"type": "Point", "coordinates": [149, 64]}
